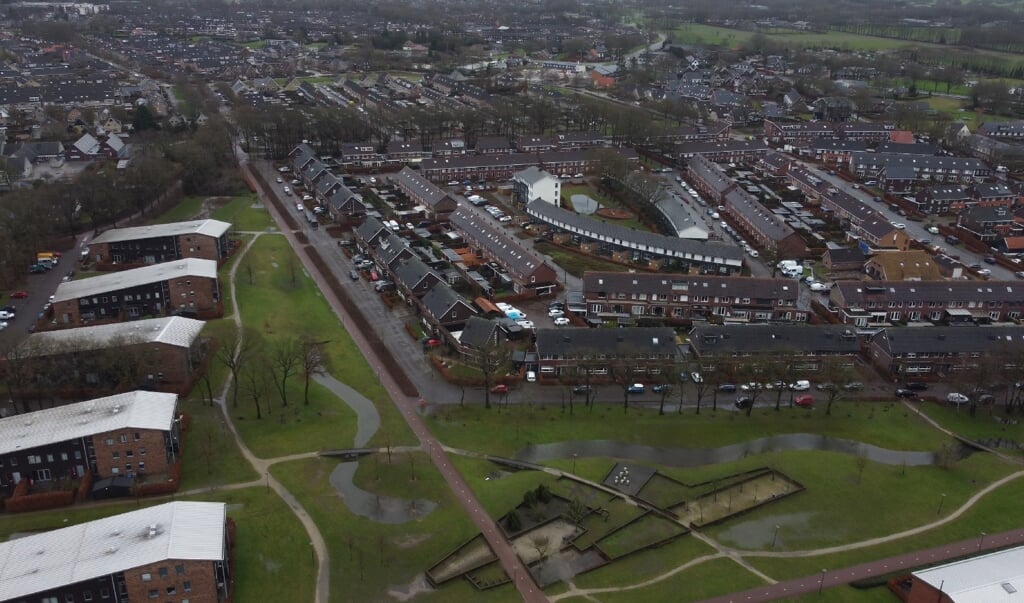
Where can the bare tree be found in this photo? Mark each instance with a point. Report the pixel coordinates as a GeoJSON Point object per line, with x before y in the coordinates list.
{"type": "Point", "coordinates": [624, 373]}
{"type": "Point", "coordinates": [313, 360]}
{"type": "Point", "coordinates": [234, 355]}
{"type": "Point", "coordinates": [490, 359]}
{"type": "Point", "coordinates": [254, 378]}
{"type": "Point", "coordinates": [838, 375]}
{"type": "Point", "coordinates": [285, 359]}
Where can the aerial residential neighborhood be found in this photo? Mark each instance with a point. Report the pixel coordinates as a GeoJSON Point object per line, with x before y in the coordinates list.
{"type": "Point", "coordinates": [434, 301]}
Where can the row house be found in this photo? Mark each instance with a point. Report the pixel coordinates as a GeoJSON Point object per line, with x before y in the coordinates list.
{"type": "Point", "coordinates": [90, 148]}
{"type": "Point", "coordinates": [187, 287]}
{"type": "Point", "coordinates": [880, 233]}
{"type": "Point", "coordinates": [529, 274]}
{"type": "Point", "coordinates": [489, 166]}
{"type": "Point", "coordinates": [724, 347]}
{"type": "Point", "coordinates": [155, 353]}
{"type": "Point", "coordinates": [729, 151]}
{"type": "Point", "coordinates": [865, 304]}
{"type": "Point", "coordinates": [124, 435]}
{"type": "Point", "coordinates": [361, 155]}
{"type": "Point", "coordinates": [941, 200]}
{"type": "Point", "coordinates": [907, 352]}
{"type": "Point", "coordinates": [628, 243]}
{"type": "Point", "coordinates": [534, 144]}
{"type": "Point", "coordinates": [963, 170]}
{"type": "Point", "coordinates": [581, 140]}
{"type": "Point", "coordinates": [989, 223]}
{"type": "Point", "coordinates": [765, 229]}
{"type": "Point", "coordinates": [452, 147]}
{"type": "Point", "coordinates": [773, 166]}
{"type": "Point", "coordinates": [629, 296]}
{"type": "Point", "coordinates": [177, 551]}
{"type": "Point", "coordinates": [835, 151]}
{"type": "Point", "coordinates": [438, 204]}
{"type": "Point", "coordinates": [142, 245]}
{"type": "Point", "coordinates": [708, 178]}
{"type": "Point", "coordinates": [993, 193]}
{"type": "Point", "coordinates": [493, 145]}
{"type": "Point", "coordinates": [626, 354]}
{"type": "Point", "coordinates": [807, 182]}
{"type": "Point", "coordinates": [718, 131]}
{"type": "Point", "coordinates": [795, 132]}
{"type": "Point", "coordinates": [866, 131]}
{"type": "Point", "coordinates": [406, 152]}
{"type": "Point", "coordinates": [1006, 130]}
{"type": "Point", "coordinates": [442, 309]}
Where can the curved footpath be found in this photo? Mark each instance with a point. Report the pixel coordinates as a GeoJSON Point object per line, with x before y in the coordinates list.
{"type": "Point", "coordinates": [502, 548]}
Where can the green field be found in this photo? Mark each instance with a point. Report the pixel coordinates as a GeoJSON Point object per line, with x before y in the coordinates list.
{"type": "Point", "coordinates": [694, 33]}
{"type": "Point", "coordinates": [281, 302]}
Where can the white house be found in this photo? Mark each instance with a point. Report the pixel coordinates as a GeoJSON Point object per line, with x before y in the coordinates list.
{"type": "Point", "coordinates": [534, 183]}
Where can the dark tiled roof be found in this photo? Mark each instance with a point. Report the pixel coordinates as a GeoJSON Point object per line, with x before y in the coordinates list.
{"type": "Point", "coordinates": [950, 339]}
{"type": "Point", "coordinates": [857, 293]}
{"type": "Point", "coordinates": [628, 342]}
{"type": "Point", "coordinates": [754, 338]}
{"type": "Point", "coordinates": [516, 259]}
{"type": "Point", "coordinates": [680, 284]}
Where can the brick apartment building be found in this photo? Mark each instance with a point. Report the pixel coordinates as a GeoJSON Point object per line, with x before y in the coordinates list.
{"type": "Point", "coordinates": [177, 551]}
{"type": "Point", "coordinates": [187, 287]}
{"type": "Point", "coordinates": [124, 435]}
{"type": "Point", "coordinates": [128, 247]}
{"type": "Point", "coordinates": [157, 353]}
{"type": "Point", "coordinates": [881, 302]}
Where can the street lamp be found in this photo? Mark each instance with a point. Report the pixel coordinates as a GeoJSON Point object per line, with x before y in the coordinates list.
{"type": "Point", "coordinates": [821, 582]}
{"type": "Point", "coordinates": [941, 500]}
{"type": "Point", "coordinates": [574, 463]}
{"type": "Point", "coordinates": [981, 541]}
{"type": "Point", "coordinates": [775, 535]}
{"type": "Point", "coordinates": [312, 553]}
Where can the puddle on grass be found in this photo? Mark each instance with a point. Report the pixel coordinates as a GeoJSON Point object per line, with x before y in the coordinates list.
{"type": "Point", "coordinates": [758, 533]}
{"type": "Point", "coordinates": [383, 509]}
{"type": "Point", "coordinates": [695, 457]}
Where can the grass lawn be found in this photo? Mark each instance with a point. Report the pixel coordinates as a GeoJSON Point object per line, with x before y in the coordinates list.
{"type": "Point", "coordinates": [605, 201]}
{"type": "Point", "coordinates": [643, 532]}
{"type": "Point", "coordinates": [723, 36]}
{"type": "Point", "coordinates": [504, 432]}
{"type": "Point", "coordinates": [242, 215]}
{"type": "Point", "coordinates": [997, 512]}
{"type": "Point", "coordinates": [283, 301]}
{"type": "Point", "coordinates": [646, 565]}
{"type": "Point", "coordinates": [707, 579]}
{"type": "Point", "coordinates": [188, 209]}
{"type": "Point", "coordinates": [989, 423]}
{"type": "Point", "coordinates": [368, 557]}
{"type": "Point", "coordinates": [576, 263]}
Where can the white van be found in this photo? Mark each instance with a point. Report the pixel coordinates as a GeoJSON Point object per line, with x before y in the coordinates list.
{"type": "Point", "coordinates": [531, 376]}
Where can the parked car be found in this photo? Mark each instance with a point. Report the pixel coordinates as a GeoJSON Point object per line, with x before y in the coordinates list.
{"type": "Point", "coordinates": [825, 387]}
{"type": "Point", "coordinates": [727, 387]}
{"type": "Point", "coordinates": [800, 386]}
{"type": "Point", "coordinates": [820, 287]}
{"type": "Point", "coordinates": [280, 180]}
{"type": "Point", "coordinates": [431, 342]}
{"type": "Point", "coordinates": [531, 376]}
{"type": "Point", "coordinates": [661, 388]}
{"type": "Point", "coordinates": [957, 398]}
{"type": "Point", "coordinates": [905, 393]}
{"type": "Point", "coordinates": [582, 389]}
{"type": "Point", "coordinates": [19, 295]}
{"type": "Point", "coordinates": [697, 378]}
{"type": "Point", "coordinates": [37, 269]}
{"type": "Point", "coordinates": [805, 400]}
{"type": "Point", "coordinates": [744, 402]}
{"type": "Point", "coordinates": [853, 386]}
{"type": "Point", "coordinates": [500, 388]}
{"type": "Point", "coordinates": [636, 388]}
{"type": "Point", "coordinates": [353, 274]}
{"type": "Point", "coordinates": [561, 321]}
{"type": "Point", "coordinates": [555, 313]}
{"type": "Point", "coordinates": [990, 259]}
{"type": "Point", "coordinates": [917, 386]}
{"type": "Point", "coordinates": [526, 324]}
{"type": "Point", "coordinates": [5, 315]}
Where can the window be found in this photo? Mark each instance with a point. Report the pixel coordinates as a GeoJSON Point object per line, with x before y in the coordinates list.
{"type": "Point", "coordinates": [180, 570]}
{"type": "Point", "coordinates": [137, 436]}
{"type": "Point", "coordinates": [172, 590]}
{"type": "Point", "coordinates": [34, 459]}
{"type": "Point", "coordinates": [142, 465]}
{"type": "Point", "coordinates": [154, 593]}
{"type": "Point", "coordinates": [69, 597]}
{"type": "Point", "coordinates": [109, 441]}
{"type": "Point", "coordinates": [117, 455]}
{"type": "Point", "coordinates": [142, 452]}
{"type": "Point", "coordinates": [129, 453]}
{"type": "Point", "coordinates": [128, 468]}
{"type": "Point", "coordinates": [115, 470]}
{"type": "Point", "coordinates": [104, 593]}
{"type": "Point", "coordinates": [49, 600]}
{"type": "Point", "coordinates": [124, 439]}
{"type": "Point", "coordinates": [87, 596]}
{"type": "Point", "coordinates": [147, 577]}
{"type": "Point", "coordinates": [43, 475]}
{"type": "Point", "coordinates": [63, 456]}
{"type": "Point", "coordinates": [163, 572]}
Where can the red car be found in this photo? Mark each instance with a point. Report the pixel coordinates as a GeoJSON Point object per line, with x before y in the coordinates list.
{"type": "Point", "coordinates": [431, 343]}
{"type": "Point", "coordinates": [806, 400]}
{"type": "Point", "coordinates": [500, 388]}
{"type": "Point", "coordinates": [19, 295]}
